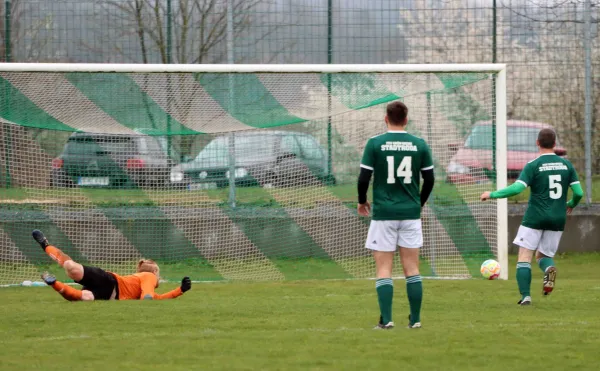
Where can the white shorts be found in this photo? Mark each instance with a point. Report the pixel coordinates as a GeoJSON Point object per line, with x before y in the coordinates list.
{"type": "Point", "coordinates": [385, 235]}
{"type": "Point", "coordinates": [545, 242]}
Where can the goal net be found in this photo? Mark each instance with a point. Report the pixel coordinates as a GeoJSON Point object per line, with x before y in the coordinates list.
{"type": "Point", "coordinates": [238, 172]}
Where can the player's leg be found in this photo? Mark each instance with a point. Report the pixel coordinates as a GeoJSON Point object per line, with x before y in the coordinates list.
{"type": "Point", "coordinates": [52, 251]}
{"type": "Point", "coordinates": [97, 284]}
{"type": "Point", "coordinates": [67, 291]}
{"type": "Point", "coordinates": [528, 240]}
{"type": "Point", "coordinates": [102, 284]}
{"type": "Point", "coordinates": [410, 240]}
{"type": "Point", "coordinates": [523, 275]}
{"type": "Point", "coordinates": [382, 241]}
{"type": "Point", "coordinates": [73, 269]}
{"type": "Point", "coordinates": [384, 286]}
{"type": "Point", "coordinates": [545, 254]}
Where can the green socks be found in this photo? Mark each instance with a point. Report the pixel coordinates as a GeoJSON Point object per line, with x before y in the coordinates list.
{"type": "Point", "coordinates": [524, 278]}
{"type": "Point", "coordinates": [545, 263]}
{"type": "Point", "coordinates": [414, 291]}
{"type": "Point", "coordinates": [385, 294]}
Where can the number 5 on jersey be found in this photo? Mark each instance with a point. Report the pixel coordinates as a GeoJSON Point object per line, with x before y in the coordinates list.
{"type": "Point", "coordinates": [555, 187]}
{"type": "Point", "coordinates": [403, 171]}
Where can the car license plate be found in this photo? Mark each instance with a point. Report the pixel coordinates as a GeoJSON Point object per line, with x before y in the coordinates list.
{"type": "Point", "coordinates": [93, 181]}
{"type": "Point", "coordinates": [197, 186]}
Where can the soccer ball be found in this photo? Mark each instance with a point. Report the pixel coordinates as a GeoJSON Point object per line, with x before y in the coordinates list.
{"type": "Point", "coordinates": [490, 269]}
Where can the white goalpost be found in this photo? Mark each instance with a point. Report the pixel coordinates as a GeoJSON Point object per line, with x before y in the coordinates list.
{"type": "Point", "coordinates": [253, 68]}
{"type": "Point", "coordinates": [501, 166]}
{"type": "Point", "coordinates": [240, 172]}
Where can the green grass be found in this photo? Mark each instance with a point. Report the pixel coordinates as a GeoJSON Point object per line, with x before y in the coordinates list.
{"type": "Point", "coordinates": [246, 196]}
{"type": "Point", "coordinates": [316, 325]}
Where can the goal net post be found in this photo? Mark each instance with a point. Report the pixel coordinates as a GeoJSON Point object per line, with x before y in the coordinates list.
{"type": "Point", "coordinates": [239, 172]}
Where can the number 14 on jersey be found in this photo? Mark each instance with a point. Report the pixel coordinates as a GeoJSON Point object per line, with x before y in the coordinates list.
{"type": "Point", "coordinates": [404, 170]}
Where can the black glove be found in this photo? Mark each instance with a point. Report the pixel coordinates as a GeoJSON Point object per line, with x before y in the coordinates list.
{"type": "Point", "coordinates": [186, 284]}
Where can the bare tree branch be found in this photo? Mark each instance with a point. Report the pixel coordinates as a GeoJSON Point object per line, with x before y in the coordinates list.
{"type": "Point", "coordinates": [199, 29]}
{"type": "Point", "coordinates": [28, 42]}
{"type": "Point", "coordinates": [140, 29]}
{"type": "Point", "coordinates": [559, 5]}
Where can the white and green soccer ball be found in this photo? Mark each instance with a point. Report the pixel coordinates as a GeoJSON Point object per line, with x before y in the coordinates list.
{"type": "Point", "coordinates": [490, 269]}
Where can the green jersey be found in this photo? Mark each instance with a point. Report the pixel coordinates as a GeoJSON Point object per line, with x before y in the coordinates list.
{"type": "Point", "coordinates": [396, 159]}
{"type": "Point", "coordinates": [549, 177]}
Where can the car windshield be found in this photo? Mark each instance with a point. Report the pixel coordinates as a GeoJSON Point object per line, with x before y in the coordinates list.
{"type": "Point", "coordinates": [248, 149]}
{"type": "Point", "coordinates": [93, 145]}
{"type": "Point", "coordinates": [520, 138]}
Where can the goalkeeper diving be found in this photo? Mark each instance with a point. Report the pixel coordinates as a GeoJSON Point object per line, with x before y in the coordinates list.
{"type": "Point", "coordinates": [99, 284]}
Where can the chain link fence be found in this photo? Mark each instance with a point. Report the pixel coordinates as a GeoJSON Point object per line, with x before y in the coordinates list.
{"type": "Point", "coordinates": [542, 42]}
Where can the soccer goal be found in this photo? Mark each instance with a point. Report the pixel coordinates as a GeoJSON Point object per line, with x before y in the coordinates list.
{"type": "Point", "coordinates": [239, 172]}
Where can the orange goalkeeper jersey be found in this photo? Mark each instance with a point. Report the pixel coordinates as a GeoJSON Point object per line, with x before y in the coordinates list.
{"type": "Point", "coordinates": [138, 285]}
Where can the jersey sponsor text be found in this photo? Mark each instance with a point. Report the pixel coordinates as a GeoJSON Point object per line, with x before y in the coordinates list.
{"type": "Point", "coordinates": [399, 146]}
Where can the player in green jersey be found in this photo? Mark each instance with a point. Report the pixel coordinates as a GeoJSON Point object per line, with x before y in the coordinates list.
{"type": "Point", "coordinates": [396, 160]}
{"type": "Point", "coordinates": [549, 177]}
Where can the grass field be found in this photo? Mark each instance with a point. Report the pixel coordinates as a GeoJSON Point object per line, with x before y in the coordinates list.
{"type": "Point", "coordinates": [246, 196]}
{"type": "Point", "coordinates": [317, 325]}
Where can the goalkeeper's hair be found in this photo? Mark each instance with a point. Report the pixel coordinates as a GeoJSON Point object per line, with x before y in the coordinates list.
{"type": "Point", "coordinates": [147, 265]}
{"type": "Point", "coordinates": [397, 113]}
{"type": "Point", "coordinates": [547, 138]}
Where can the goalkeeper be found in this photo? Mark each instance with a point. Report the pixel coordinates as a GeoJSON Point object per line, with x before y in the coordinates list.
{"type": "Point", "coordinates": [101, 285]}
{"type": "Point", "coordinates": [549, 177]}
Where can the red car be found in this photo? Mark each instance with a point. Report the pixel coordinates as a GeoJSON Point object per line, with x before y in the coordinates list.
{"type": "Point", "coordinates": [472, 162]}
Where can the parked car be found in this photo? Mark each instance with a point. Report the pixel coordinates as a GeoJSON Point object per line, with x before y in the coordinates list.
{"type": "Point", "coordinates": [472, 161]}
{"type": "Point", "coordinates": [261, 158]}
{"type": "Point", "coordinates": [111, 161]}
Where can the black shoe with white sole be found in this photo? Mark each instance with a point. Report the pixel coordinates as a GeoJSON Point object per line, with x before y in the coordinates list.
{"type": "Point", "coordinates": [525, 301]}
{"type": "Point", "coordinates": [413, 325]}
{"type": "Point", "coordinates": [382, 326]}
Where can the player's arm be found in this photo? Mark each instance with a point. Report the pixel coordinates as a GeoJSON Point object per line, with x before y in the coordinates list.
{"type": "Point", "coordinates": [364, 178]}
{"type": "Point", "coordinates": [514, 189]}
{"type": "Point", "coordinates": [577, 195]}
{"type": "Point", "coordinates": [426, 174]}
{"type": "Point", "coordinates": [577, 191]}
{"type": "Point", "coordinates": [148, 282]}
{"type": "Point", "coordinates": [186, 284]}
{"type": "Point", "coordinates": [427, 187]}
{"type": "Point", "coordinates": [367, 164]}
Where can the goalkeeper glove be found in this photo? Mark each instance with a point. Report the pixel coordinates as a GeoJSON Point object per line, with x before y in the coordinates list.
{"type": "Point", "coordinates": [186, 284]}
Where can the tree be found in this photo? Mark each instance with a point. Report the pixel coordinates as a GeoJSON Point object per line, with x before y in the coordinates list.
{"type": "Point", "coordinates": [545, 69]}
{"type": "Point", "coordinates": [23, 39]}
{"type": "Point", "coordinates": [29, 36]}
{"type": "Point", "coordinates": [199, 30]}
{"type": "Point", "coordinates": [199, 35]}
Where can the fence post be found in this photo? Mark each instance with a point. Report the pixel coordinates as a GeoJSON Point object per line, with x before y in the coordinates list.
{"type": "Point", "coordinates": [494, 60]}
{"type": "Point", "coordinates": [587, 45]}
{"type": "Point", "coordinates": [169, 87]}
{"type": "Point", "coordinates": [231, 139]}
{"type": "Point", "coordinates": [494, 32]}
{"type": "Point", "coordinates": [329, 61]}
{"type": "Point", "coordinates": [7, 58]}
